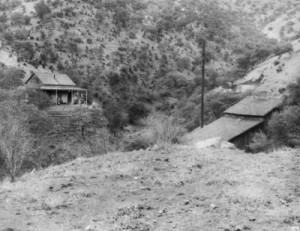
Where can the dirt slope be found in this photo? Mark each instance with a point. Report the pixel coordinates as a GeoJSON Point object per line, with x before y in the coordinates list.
{"type": "Point", "coordinates": [184, 189]}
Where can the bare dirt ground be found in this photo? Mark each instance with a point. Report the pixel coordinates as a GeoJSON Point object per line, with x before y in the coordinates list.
{"type": "Point", "coordinates": [181, 189]}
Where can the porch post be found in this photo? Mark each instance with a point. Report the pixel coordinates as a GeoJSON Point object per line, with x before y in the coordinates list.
{"type": "Point", "coordinates": [56, 96]}
{"type": "Point", "coordinates": [72, 97]}
{"type": "Point", "coordinates": [86, 97]}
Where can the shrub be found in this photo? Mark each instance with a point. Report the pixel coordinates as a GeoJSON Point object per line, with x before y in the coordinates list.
{"type": "Point", "coordinates": [165, 130]}
{"type": "Point", "coordinates": [8, 36]}
{"type": "Point", "coordinates": [121, 17]}
{"type": "Point", "coordinates": [116, 116]}
{"type": "Point", "coordinates": [100, 15]}
{"type": "Point", "coordinates": [27, 20]}
{"type": "Point", "coordinates": [284, 127]}
{"type": "Point", "coordinates": [3, 18]}
{"type": "Point", "coordinates": [25, 50]}
{"type": "Point", "coordinates": [38, 98]}
{"type": "Point", "coordinates": [21, 34]}
{"type": "Point", "coordinates": [17, 19]}
{"type": "Point", "coordinates": [42, 9]}
{"type": "Point", "coordinates": [183, 63]}
{"type": "Point", "coordinates": [11, 78]}
{"type": "Point", "coordinates": [259, 143]}
{"type": "Point", "coordinates": [137, 111]}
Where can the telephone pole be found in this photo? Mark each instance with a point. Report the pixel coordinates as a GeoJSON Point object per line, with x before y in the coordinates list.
{"type": "Point", "coordinates": [203, 81]}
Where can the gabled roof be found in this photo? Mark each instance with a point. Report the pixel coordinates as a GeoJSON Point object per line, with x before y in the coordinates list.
{"type": "Point", "coordinates": [55, 79]}
{"type": "Point", "coordinates": [255, 106]}
{"type": "Point", "coordinates": [227, 127]}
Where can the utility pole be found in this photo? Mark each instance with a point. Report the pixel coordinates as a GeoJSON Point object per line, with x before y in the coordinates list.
{"type": "Point", "coordinates": [203, 81]}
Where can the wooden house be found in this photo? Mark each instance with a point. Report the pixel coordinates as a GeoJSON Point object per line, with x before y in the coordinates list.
{"type": "Point", "coordinates": [239, 122]}
{"type": "Point", "coordinates": [61, 89]}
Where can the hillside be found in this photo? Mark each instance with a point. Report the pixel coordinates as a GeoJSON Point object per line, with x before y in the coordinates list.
{"type": "Point", "coordinates": [181, 189]}
{"type": "Point", "coordinates": [143, 55]}
{"type": "Point", "coordinates": [272, 76]}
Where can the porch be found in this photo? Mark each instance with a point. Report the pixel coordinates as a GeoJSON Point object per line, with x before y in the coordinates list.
{"type": "Point", "coordinates": [64, 95]}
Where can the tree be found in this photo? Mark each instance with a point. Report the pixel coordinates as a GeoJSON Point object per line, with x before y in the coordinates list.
{"type": "Point", "coordinates": [85, 118]}
{"type": "Point", "coordinates": [16, 142]}
{"type": "Point", "coordinates": [42, 9]}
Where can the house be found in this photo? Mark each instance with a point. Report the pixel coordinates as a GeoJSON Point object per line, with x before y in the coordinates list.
{"type": "Point", "coordinates": [61, 89]}
{"type": "Point", "coordinates": [239, 122]}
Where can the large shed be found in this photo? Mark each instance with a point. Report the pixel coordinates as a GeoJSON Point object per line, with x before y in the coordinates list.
{"type": "Point", "coordinates": [239, 121]}
{"type": "Point", "coordinates": [61, 89]}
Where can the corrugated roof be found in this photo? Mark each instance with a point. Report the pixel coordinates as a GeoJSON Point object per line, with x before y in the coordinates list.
{"type": "Point", "coordinates": [53, 79]}
{"type": "Point", "coordinates": [67, 88]}
{"type": "Point", "coordinates": [227, 127]}
{"type": "Point", "coordinates": [254, 106]}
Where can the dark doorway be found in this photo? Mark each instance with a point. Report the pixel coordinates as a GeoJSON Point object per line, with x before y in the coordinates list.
{"type": "Point", "coordinates": [69, 97]}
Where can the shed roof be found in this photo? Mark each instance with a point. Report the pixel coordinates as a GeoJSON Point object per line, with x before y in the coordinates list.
{"type": "Point", "coordinates": [255, 106]}
{"type": "Point", "coordinates": [52, 79]}
{"type": "Point", "coordinates": [228, 127]}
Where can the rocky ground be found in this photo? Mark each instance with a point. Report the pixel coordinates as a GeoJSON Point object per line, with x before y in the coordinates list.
{"type": "Point", "coordinates": [180, 189]}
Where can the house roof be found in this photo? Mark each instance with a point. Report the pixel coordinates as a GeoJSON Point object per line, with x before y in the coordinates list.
{"type": "Point", "coordinates": [52, 79]}
{"type": "Point", "coordinates": [227, 127]}
{"type": "Point", "coordinates": [254, 106]}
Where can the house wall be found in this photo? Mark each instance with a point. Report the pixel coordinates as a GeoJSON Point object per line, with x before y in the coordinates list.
{"type": "Point", "coordinates": [34, 82]}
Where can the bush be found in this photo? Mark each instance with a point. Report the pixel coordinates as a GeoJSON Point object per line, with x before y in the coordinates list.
{"type": "Point", "coordinates": [38, 98]}
{"type": "Point", "coordinates": [21, 34]}
{"type": "Point", "coordinates": [259, 143]}
{"type": "Point", "coordinates": [183, 63]}
{"type": "Point", "coordinates": [17, 19]}
{"type": "Point", "coordinates": [3, 18]}
{"type": "Point", "coordinates": [284, 127]}
{"type": "Point", "coordinates": [165, 130]}
{"type": "Point", "coordinates": [121, 17]}
{"type": "Point", "coordinates": [137, 111]}
{"type": "Point", "coordinates": [25, 50]}
{"type": "Point", "coordinates": [8, 36]}
{"type": "Point", "coordinates": [100, 15]}
{"type": "Point", "coordinates": [116, 116]}
{"type": "Point", "coordinates": [42, 9]}
{"type": "Point", "coordinates": [11, 78]}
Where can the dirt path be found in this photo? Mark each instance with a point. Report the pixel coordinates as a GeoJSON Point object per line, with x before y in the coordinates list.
{"type": "Point", "coordinates": [184, 189]}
